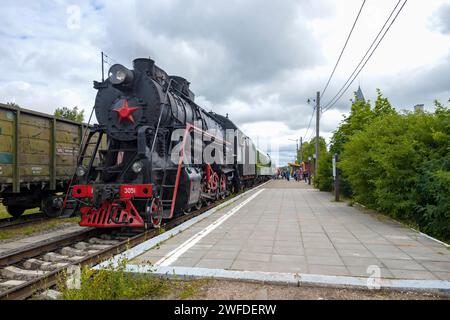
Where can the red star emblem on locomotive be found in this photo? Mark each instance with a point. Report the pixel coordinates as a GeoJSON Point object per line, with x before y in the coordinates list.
{"type": "Point", "coordinates": [125, 112]}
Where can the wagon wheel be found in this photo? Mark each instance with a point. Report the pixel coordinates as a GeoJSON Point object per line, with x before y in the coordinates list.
{"type": "Point", "coordinates": [51, 206]}
{"type": "Point", "coordinates": [15, 211]}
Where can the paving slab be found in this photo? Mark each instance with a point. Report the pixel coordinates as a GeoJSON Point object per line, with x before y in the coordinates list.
{"type": "Point", "coordinates": [288, 227]}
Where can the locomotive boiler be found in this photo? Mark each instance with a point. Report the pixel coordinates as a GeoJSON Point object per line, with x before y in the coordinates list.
{"type": "Point", "coordinates": [155, 153]}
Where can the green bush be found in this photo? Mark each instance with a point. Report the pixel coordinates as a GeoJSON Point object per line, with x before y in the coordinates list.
{"type": "Point", "coordinates": [395, 163]}
{"type": "Point", "coordinates": [434, 192]}
{"type": "Point", "coordinates": [399, 164]}
{"type": "Point", "coordinates": [324, 179]}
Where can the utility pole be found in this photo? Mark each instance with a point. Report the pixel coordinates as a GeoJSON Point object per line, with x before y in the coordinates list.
{"type": "Point", "coordinates": [296, 155]}
{"type": "Point", "coordinates": [103, 68]}
{"type": "Point", "coordinates": [301, 150]}
{"type": "Point", "coordinates": [317, 132]}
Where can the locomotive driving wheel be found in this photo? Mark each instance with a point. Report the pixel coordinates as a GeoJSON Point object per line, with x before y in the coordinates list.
{"type": "Point", "coordinates": [214, 182]}
{"type": "Point", "coordinates": [155, 220]}
{"type": "Point", "coordinates": [214, 186]}
{"type": "Point", "coordinates": [223, 186]}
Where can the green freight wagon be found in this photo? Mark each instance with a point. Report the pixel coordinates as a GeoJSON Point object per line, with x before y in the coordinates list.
{"type": "Point", "coordinates": [38, 157]}
{"type": "Point", "coordinates": [265, 167]}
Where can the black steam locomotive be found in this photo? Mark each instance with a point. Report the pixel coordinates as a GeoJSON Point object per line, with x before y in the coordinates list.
{"type": "Point", "coordinates": [146, 160]}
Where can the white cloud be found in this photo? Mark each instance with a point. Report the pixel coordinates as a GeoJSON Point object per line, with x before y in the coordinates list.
{"type": "Point", "coordinates": [258, 61]}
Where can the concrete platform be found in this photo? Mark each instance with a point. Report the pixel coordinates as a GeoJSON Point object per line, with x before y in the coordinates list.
{"type": "Point", "coordinates": [287, 230]}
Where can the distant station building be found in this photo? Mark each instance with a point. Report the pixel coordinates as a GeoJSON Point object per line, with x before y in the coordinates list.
{"type": "Point", "coordinates": [419, 108]}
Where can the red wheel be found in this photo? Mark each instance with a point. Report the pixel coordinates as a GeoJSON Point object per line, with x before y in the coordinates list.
{"type": "Point", "coordinates": [214, 182]}
{"type": "Point", "coordinates": [156, 222]}
{"type": "Point", "coordinates": [223, 186]}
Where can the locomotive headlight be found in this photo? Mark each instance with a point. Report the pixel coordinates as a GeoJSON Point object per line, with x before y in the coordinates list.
{"type": "Point", "coordinates": [118, 74]}
{"type": "Point", "coordinates": [137, 166]}
{"type": "Point", "coordinates": [81, 171]}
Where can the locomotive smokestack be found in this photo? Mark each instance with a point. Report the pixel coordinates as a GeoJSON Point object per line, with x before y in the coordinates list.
{"type": "Point", "coordinates": [143, 65]}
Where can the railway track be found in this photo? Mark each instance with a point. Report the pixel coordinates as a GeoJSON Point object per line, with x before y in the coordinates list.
{"type": "Point", "coordinates": [37, 268]}
{"type": "Point", "coordinates": [23, 220]}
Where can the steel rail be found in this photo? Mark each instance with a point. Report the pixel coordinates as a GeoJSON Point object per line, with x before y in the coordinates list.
{"type": "Point", "coordinates": [50, 279]}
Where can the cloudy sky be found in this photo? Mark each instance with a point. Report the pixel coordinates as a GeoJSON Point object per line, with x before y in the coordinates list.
{"type": "Point", "coordinates": [257, 60]}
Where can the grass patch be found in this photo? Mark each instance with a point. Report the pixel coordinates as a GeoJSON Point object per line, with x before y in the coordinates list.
{"type": "Point", "coordinates": [5, 214]}
{"type": "Point", "coordinates": [29, 229]}
{"type": "Point", "coordinates": [113, 283]}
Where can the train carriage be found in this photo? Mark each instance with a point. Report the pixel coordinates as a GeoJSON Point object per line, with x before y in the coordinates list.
{"type": "Point", "coordinates": [38, 157]}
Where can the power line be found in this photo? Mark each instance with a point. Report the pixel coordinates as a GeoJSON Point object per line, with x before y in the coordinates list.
{"type": "Point", "coordinates": [339, 94]}
{"type": "Point", "coordinates": [343, 49]}
{"type": "Point", "coordinates": [310, 121]}
{"type": "Point", "coordinates": [365, 55]}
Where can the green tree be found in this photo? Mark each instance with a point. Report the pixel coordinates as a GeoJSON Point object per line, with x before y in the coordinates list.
{"type": "Point", "coordinates": [361, 114]}
{"type": "Point", "coordinates": [324, 178]}
{"type": "Point", "coordinates": [309, 149]}
{"type": "Point", "coordinates": [382, 106]}
{"type": "Point", "coordinates": [399, 164]}
{"type": "Point", "coordinates": [434, 184]}
{"type": "Point", "coordinates": [70, 114]}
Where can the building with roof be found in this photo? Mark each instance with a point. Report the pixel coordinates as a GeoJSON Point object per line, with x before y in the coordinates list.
{"type": "Point", "coordinates": [360, 95]}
